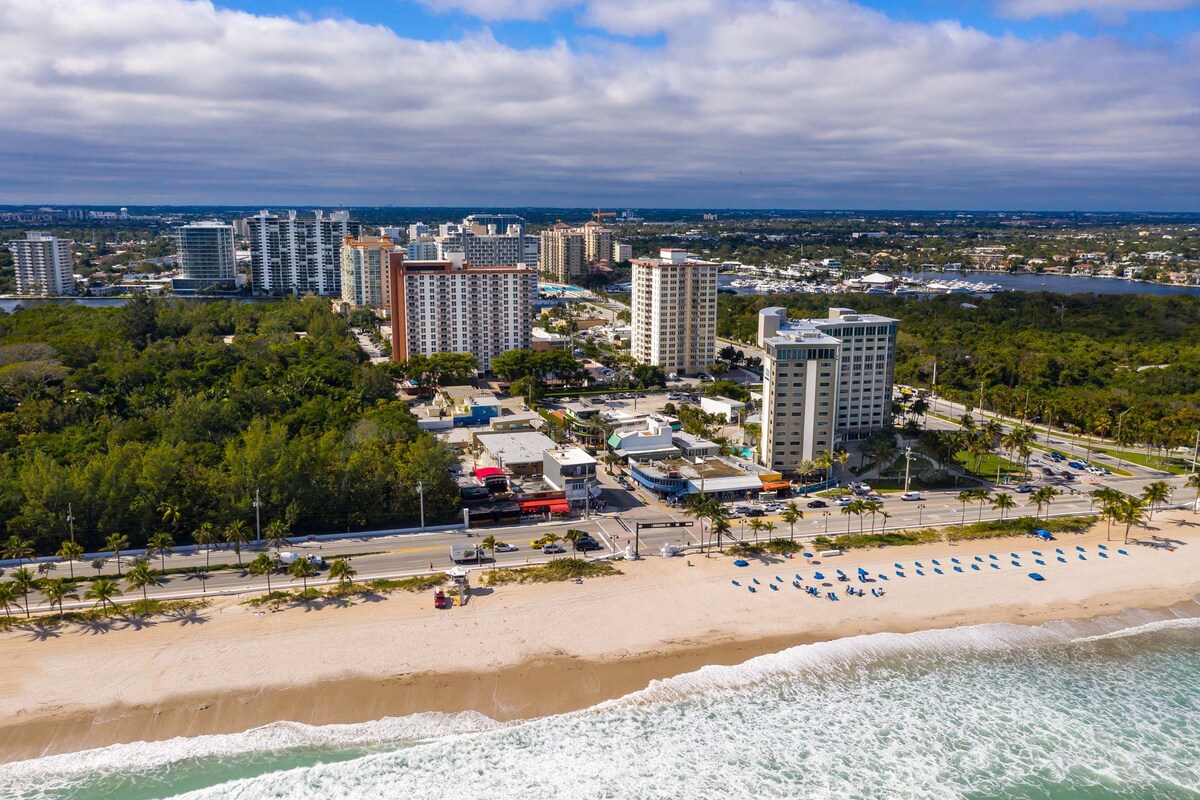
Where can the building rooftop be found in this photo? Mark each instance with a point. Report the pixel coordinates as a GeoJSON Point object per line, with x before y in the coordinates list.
{"type": "Point", "coordinates": [522, 447]}
{"type": "Point", "coordinates": [729, 401]}
{"type": "Point", "coordinates": [570, 456]}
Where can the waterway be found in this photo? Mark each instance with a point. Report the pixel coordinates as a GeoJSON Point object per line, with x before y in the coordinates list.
{"type": "Point", "coordinates": [1058, 284]}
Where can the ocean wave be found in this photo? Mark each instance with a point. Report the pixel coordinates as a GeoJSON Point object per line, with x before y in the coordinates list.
{"type": "Point", "coordinates": [145, 757]}
{"type": "Point", "coordinates": [1157, 626]}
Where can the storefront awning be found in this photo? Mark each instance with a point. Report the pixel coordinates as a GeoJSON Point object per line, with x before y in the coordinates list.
{"type": "Point", "coordinates": [774, 486]}
{"type": "Point", "coordinates": [482, 473]}
{"type": "Point", "coordinates": [555, 506]}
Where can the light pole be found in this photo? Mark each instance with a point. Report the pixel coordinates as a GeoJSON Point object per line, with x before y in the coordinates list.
{"type": "Point", "coordinates": [920, 514]}
{"type": "Point", "coordinates": [71, 519]}
{"type": "Point", "coordinates": [1196, 452]}
{"type": "Point", "coordinates": [826, 515]}
{"type": "Point", "coordinates": [907, 464]}
{"type": "Point", "coordinates": [1120, 419]}
{"type": "Point", "coordinates": [257, 517]}
{"type": "Point", "coordinates": [421, 494]}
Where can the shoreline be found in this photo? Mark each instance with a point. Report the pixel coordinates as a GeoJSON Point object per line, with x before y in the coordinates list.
{"type": "Point", "coordinates": [241, 671]}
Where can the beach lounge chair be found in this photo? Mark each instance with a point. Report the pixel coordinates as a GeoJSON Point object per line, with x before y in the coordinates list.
{"type": "Point", "coordinates": [1104, 555]}
{"type": "Point", "coordinates": [1016, 563]}
{"type": "Point", "coordinates": [1058, 550]}
{"type": "Point", "coordinates": [796, 584]}
{"type": "Point", "coordinates": [918, 563]}
{"type": "Point", "coordinates": [899, 574]}
{"type": "Point", "coordinates": [1037, 576]}
{"type": "Point", "coordinates": [995, 566]}
{"type": "Point", "coordinates": [756, 581]}
{"type": "Point", "coordinates": [979, 558]}
{"type": "Point", "coordinates": [1102, 547]}
{"type": "Point", "coordinates": [992, 556]}
{"type": "Point", "coordinates": [1080, 548]}
{"type": "Point", "coordinates": [1082, 557]}
{"type": "Point", "coordinates": [922, 574]}
{"type": "Point", "coordinates": [774, 588]}
{"type": "Point", "coordinates": [818, 576]}
{"type": "Point", "coordinates": [958, 569]}
{"type": "Point", "coordinates": [882, 577]}
{"type": "Point", "coordinates": [938, 571]}
{"type": "Point", "coordinates": [752, 589]}
{"type": "Point", "coordinates": [798, 577]}
{"type": "Point", "coordinates": [735, 583]}
{"type": "Point", "coordinates": [1039, 561]}
{"type": "Point", "coordinates": [955, 560]}
{"type": "Point", "coordinates": [974, 566]}
{"type": "Point", "coordinates": [1122, 552]}
{"type": "Point", "coordinates": [1063, 560]}
{"type": "Point", "coordinates": [1036, 553]}
{"type": "Point", "coordinates": [935, 562]}
{"type": "Point", "coordinates": [779, 579]}
{"type": "Point", "coordinates": [897, 566]}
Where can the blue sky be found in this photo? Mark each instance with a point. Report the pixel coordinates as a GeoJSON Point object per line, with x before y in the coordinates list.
{"type": "Point", "coordinates": [998, 104]}
{"type": "Point", "coordinates": [416, 19]}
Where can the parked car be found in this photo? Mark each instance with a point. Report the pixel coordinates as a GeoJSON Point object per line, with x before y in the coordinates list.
{"type": "Point", "coordinates": [587, 543]}
{"type": "Point", "coordinates": [1067, 474]}
{"type": "Point", "coordinates": [1054, 455]}
{"type": "Point", "coordinates": [770, 508]}
{"type": "Point", "coordinates": [553, 549]}
{"type": "Point", "coordinates": [505, 547]}
{"type": "Point", "coordinates": [1049, 472]}
{"type": "Point", "coordinates": [1024, 488]}
{"type": "Point", "coordinates": [817, 504]}
{"type": "Point", "coordinates": [1077, 464]}
{"type": "Point", "coordinates": [742, 509]}
{"type": "Point", "coordinates": [755, 512]}
{"type": "Point", "coordinates": [911, 496]}
{"type": "Point", "coordinates": [842, 501]}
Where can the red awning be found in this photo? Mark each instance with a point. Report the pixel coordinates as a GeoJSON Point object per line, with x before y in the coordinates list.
{"type": "Point", "coordinates": [775, 485]}
{"type": "Point", "coordinates": [555, 506]}
{"type": "Point", "coordinates": [488, 472]}
{"type": "Point", "coordinates": [560, 507]}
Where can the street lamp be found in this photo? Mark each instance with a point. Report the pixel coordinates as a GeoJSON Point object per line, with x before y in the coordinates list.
{"type": "Point", "coordinates": [1120, 419]}
{"type": "Point", "coordinates": [421, 494]}
{"type": "Point", "coordinates": [907, 463]}
{"type": "Point", "coordinates": [826, 515]}
{"type": "Point", "coordinates": [920, 514]}
{"type": "Point", "coordinates": [257, 517]}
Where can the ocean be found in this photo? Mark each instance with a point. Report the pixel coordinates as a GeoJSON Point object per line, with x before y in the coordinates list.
{"type": "Point", "coordinates": [1064, 711]}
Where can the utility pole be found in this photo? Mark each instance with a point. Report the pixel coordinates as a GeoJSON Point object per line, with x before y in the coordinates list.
{"type": "Point", "coordinates": [907, 464]}
{"type": "Point", "coordinates": [71, 516]}
{"type": "Point", "coordinates": [1196, 452]}
{"type": "Point", "coordinates": [1120, 420]}
{"type": "Point", "coordinates": [257, 517]}
{"type": "Point", "coordinates": [421, 494]}
{"type": "Point", "coordinates": [933, 392]}
{"type": "Point", "coordinates": [981, 417]}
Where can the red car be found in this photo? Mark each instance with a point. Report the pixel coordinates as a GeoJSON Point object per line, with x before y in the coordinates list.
{"type": "Point", "coordinates": [440, 600]}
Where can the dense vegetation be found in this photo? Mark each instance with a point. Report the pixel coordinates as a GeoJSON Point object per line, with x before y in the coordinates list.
{"type": "Point", "coordinates": [142, 419]}
{"type": "Point", "coordinates": [1075, 360]}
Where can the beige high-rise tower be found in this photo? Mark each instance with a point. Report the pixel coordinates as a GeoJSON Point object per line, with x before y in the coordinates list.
{"type": "Point", "coordinates": [674, 316]}
{"type": "Point", "coordinates": [366, 279]}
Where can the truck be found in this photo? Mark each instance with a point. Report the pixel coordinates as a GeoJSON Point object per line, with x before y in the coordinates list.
{"type": "Point", "coordinates": [287, 557]}
{"type": "Point", "coordinates": [463, 552]}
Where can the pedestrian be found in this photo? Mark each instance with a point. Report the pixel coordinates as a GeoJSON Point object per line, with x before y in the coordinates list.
{"type": "Point", "coordinates": [431, 566]}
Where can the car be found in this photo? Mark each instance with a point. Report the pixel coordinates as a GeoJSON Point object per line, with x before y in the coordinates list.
{"type": "Point", "coordinates": [553, 549]}
{"type": "Point", "coordinates": [586, 544]}
{"type": "Point", "coordinates": [772, 507]}
{"type": "Point", "coordinates": [755, 512]}
{"type": "Point", "coordinates": [505, 547]}
{"type": "Point", "coordinates": [674, 376]}
{"type": "Point", "coordinates": [1054, 455]}
{"type": "Point", "coordinates": [1048, 472]}
{"type": "Point", "coordinates": [911, 496]}
{"type": "Point", "coordinates": [1067, 474]}
{"type": "Point", "coordinates": [817, 504]}
{"type": "Point", "coordinates": [742, 509]}
{"type": "Point", "coordinates": [1024, 488]}
{"type": "Point", "coordinates": [1077, 464]}
{"type": "Point", "coordinates": [842, 501]}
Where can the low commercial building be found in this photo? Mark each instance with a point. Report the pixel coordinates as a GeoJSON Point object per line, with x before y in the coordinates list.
{"type": "Point", "coordinates": [521, 454]}
{"type": "Point", "coordinates": [570, 470]}
{"type": "Point", "coordinates": [644, 443]}
{"type": "Point", "coordinates": [730, 410]}
{"type": "Point", "coordinates": [692, 446]}
{"type": "Point", "coordinates": [516, 422]}
{"type": "Point", "coordinates": [676, 478]}
{"type": "Point", "coordinates": [542, 340]}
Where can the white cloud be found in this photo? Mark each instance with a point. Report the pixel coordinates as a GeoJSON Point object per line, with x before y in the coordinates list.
{"type": "Point", "coordinates": [785, 103]}
{"type": "Point", "coordinates": [501, 9]}
{"type": "Point", "coordinates": [1110, 9]}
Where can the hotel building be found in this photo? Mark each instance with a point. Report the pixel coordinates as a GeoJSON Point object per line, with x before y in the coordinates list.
{"type": "Point", "coordinates": [824, 381]}
{"type": "Point", "coordinates": [44, 265]}
{"type": "Point", "coordinates": [366, 277]}
{"type": "Point", "coordinates": [295, 255]}
{"type": "Point", "coordinates": [452, 307]}
{"type": "Point", "coordinates": [567, 253]}
{"type": "Point", "coordinates": [207, 259]}
{"type": "Point", "coordinates": [674, 316]}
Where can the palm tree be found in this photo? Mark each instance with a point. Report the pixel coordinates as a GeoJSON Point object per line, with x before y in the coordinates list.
{"type": "Point", "coordinates": [982, 496]}
{"type": "Point", "coordinates": [871, 507]}
{"type": "Point", "coordinates": [573, 536]}
{"type": "Point", "coordinates": [849, 510]}
{"type": "Point", "coordinates": [824, 463]}
{"type": "Point", "coordinates": [342, 570]}
{"type": "Point", "coordinates": [1193, 482]}
{"type": "Point", "coordinates": [804, 469]}
{"type": "Point", "coordinates": [700, 507]}
{"type": "Point", "coordinates": [791, 515]}
{"type": "Point", "coordinates": [58, 589]}
{"type": "Point", "coordinates": [102, 590]}
{"type": "Point", "coordinates": [171, 515]}
{"type": "Point", "coordinates": [756, 526]}
{"type": "Point", "coordinates": [1003, 502]}
{"type": "Point", "coordinates": [1131, 511]}
{"type": "Point", "coordinates": [8, 597]}
{"type": "Point", "coordinates": [263, 565]}
{"type": "Point", "coordinates": [886, 516]}
{"type": "Point", "coordinates": [117, 542]}
{"type": "Point", "coordinates": [70, 552]}
{"type": "Point", "coordinates": [237, 534]}
{"type": "Point", "coordinates": [142, 576]}
{"type": "Point", "coordinates": [769, 530]}
{"type": "Point", "coordinates": [25, 582]}
{"type": "Point", "coordinates": [275, 534]}
{"type": "Point", "coordinates": [551, 538]}
{"type": "Point", "coordinates": [162, 544]}
{"type": "Point", "coordinates": [964, 497]}
{"type": "Point", "coordinates": [1044, 497]}
{"type": "Point", "coordinates": [1155, 494]}
{"type": "Point", "coordinates": [206, 536]}
{"type": "Point", "coordinates": [1109, 499]}
{"type": "Point", "coordinates": [18, 548]}
{"type": "Point", "coordinates": [490, 544]}
{"type": "Point", "coordinates": [719, 528]}
{"type": "Point", "coordinates": [302, 569]}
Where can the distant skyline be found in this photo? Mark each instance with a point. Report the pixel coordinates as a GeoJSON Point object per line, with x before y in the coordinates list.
{"type": "Point", "coordinates": [1004, 104]}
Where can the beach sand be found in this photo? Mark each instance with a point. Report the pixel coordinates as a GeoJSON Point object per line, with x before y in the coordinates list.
{"type": "Point", "coordinates": [525, 651]}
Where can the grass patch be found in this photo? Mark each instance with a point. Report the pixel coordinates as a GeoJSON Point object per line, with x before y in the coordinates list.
{"type": "Point", "coordinates": [986, 467]}
{"type": "Point", "coordinates": [1171, 464]}
{"type": "Point", "coordinates": [142, 609]}
{"type": "Point", "coordinates": [417, 583]}
{"type": "Point", "coordinates": [560, 569]}
{"type": "Point", "coordinates": [991, 529]}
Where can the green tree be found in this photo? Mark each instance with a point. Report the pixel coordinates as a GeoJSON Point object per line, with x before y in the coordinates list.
{"type": "Point", "coordinates": [263, 565]}
{"type": "Point", "coordinates": [1131, 511]}
{"type": "Point", "coordinates": [25, 582]}
{"type": "Point", "coordinates": [56, 590]}
{"type": "Point", "coordinates": [142, 576]}
{"type": "Point", "coordinates": [116, 542]}
{"type": "Point", "coordinates": [102, 590]}
{"type": "Point", "coordinates": [1003, 502]}
{"type": "Point", "coordinates": [1155, 494]}
{"type": "Point", "coordinates": [343, 571]}
{"type": "Point", "coordinates": [983, 497]}
{"type": "Point", "coordinates": [276, 534]}
{"type": "Point", "coordinates": [8, 597]}
{"type": "Point", "coordinates": [70, 552]}
{"type": "Point", "coordinates": [1043, 497]}
{"type": "Point", "coordinates": [791, 514]}
{"type": "Point", "coordinates": [161, 544]}
{"type": "Point", "coordinates": [237, 533]}
{"type": "Point", "coordinates": [489, 544]}
{"type": "Point", "coordinates": [206, 536]}
{"type": "Point", "coordinates": [302, 569]}
{"type": "Point", "coordinates": [18, 548]}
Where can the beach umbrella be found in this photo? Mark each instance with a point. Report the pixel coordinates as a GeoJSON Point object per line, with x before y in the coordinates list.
{"type": "Point", "coordinates": [1104, 555]}
{"type": "Point", "coordinates": [995, 566]}
{"type": "Point", "coordinates": [807, 555]}
{"type": "Point", "coordinates": [818, 576]}
{"type": "Point", "coordinates": [1039, 561]}
{"type": "Point", "coordinates": [1102, 547]}
{"type": "Point", "coordinates": [1036, 576]}
{"type": "Point", "coordinates": [1016, 563]}
{"type": "Point", "coordinates": [1122, 552]}
{"type": "Point", "coordinates": [897, 566]}
{"type": "Point", "coordinates": [956, 561]}
{"type": "Point", "coordinates": [752, 589]}
{"type": "Point", "coordinates": [991, 556]}
{"type": "Point", "coordinates": [918, 563]}
{"type": "Point", "coordinates": [756, 581]}
{"type": "Point", "coordinates": [922, 574]}
{"type": "Point", "coordinates": [798, 577]}
{"type": "Point", "coordinates": [1058, 550]}
{"type": "Point", "coordinates": [974, 566]}
{"type": "Point", "coordinates": [741, 562]}
{"type": "Point", "coordinates": [735, 583]}
{"type": "Point", "coordinates": [882, 577]}
{"type": "Point", "coordinates": [774, 588]}
{"type": "Point", "coordinates": [779, 579]}
{"type": "Point", "coordinates": [1080, 548]}
{"type": "Point", "coordinates": [936, 563]}
{"type": "Point", "coordinates": [1063, 560]}
{"type": "Point", "coordinates": [1014, 555]}
{"type": "Point", "coordinates": [1036, 553]}
{"type": "Point", "coordinates": [979, 558]}
{"type": "Point", "coordinates": [1082, 557]}
{"type": "Point", "coordinates": [899, 574]}
{"type": "Point", "coordinates": [958, 569]}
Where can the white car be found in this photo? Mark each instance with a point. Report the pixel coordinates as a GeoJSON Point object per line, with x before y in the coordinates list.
{"type": "Point", "coordinates": [911, 496]}
{"type": "Point", "coordinates": [505, 547]}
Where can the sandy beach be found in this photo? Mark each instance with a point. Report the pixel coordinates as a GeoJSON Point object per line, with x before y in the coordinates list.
{"type": "Point", "coordinates": [524, 651]}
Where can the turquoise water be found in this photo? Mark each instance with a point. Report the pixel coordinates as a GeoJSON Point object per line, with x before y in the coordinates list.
{"type": "Point", "coordinates": [1065, 711]}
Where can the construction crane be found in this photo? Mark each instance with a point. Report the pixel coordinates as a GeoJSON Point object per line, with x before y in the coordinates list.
{"type": "Point", "coordinates": [599, 216]}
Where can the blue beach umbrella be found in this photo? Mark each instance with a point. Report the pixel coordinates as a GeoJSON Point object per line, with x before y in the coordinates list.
{"type": "Point", "coordinates": [991, 556]}
{"type": "Point", "coordinates": [1036, 576]}
{"type": "Point", "coordinates": [979, 558]}
{"type": "Point", "coordinates": [818, 576]}
{"type": "Point", "coordinates": [936, 563]}
{"type": "Point", "coordinates": [899, 574]}
{"type": "Point", "coordinates": [882, 577]}
{"type": "Point", "coordinates": [938, 571]}
{"type": "Point", "coordinates": [1102, 547]}
{"type": "Point", "coordinates": [752, 589]}
{"type": "Point", "coordinates": [756, 581]}
{"type": "Point", "coordinates": [918, 563]}
{"type": "Point", "coordinates": [956, 561]}
{"type": "Point", "coordinates": [974, 566]}
{"type": "Point", "coordinates": [1016, 563]}
{"type": "Point", "coordinates": [1122, 552]}
{"type": "Point", "coordinates": [798, 577]}
{"type": "Point", "coordinates": [1058, 550]}
{"type": "Point", "coordinates": [1080, 548]}
{"type": "Point", "coordinates": [995, 566]}
{"type": "Point", "coordinates": [922, 574]}
{"type": "Point", "coordinates": [735, 583]}
{"type": "Point", "coordinates": [741, 562]}
{"type": "Point", "coordinates": [1104, 555]}
{"type": "Point", "coordinates": [1036, 553]}
{"type": "Point", "coordinates": [897, 566]}
{"type": "Point", "coordinates": [958, 569]}
{"type": "Point", "coordinates": [1039, 561]}
{"type": "Point", "coordinates": [1063, 560]}
{"type": "Point", "coordinates": [774, 588]}
{"type": "Point", "coordinates": [1082, 557]}
{"type": "Point", "coordinates": [807, 555]}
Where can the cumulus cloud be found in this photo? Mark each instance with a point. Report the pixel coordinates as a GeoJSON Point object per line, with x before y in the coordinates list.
{"type": "Point", "coordinates": [777, 103]}
{"type": "Point", "coordinates": [1028, 9]}
{"type": "Point", "coordinates": [500, 9]}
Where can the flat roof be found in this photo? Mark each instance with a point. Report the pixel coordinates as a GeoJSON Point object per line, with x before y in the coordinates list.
{"type": "Point", "coordinates": [729, 401]}
{"type": "Point", "coordinates": [570, 456]}
{"type": "Point", "coordinates": [520, 447]}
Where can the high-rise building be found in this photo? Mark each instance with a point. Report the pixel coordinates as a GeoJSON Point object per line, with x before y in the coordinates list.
{"type": "Point", "coordinates": [824, 381]}
{"type": "Point", "coordinates": [491, 245]}
{"type": "Point", "coordinates": [597, 246]}
{"type": "Point", "coordinates": [419, 229]}
{"type": "Point", "coordinates": [423, 249]}
{"type": "Point", "coordinates": [295, 255]}
{"type": "Point", "coordinates": [451, 307]}
{"type": "Point", "coordinates": [499, 223]}
{"type": "Point", "coordinates": [674, 315]}
{"type": "Point", "coordinates": [207, 260]}
{"type": "Point", "coordinates": [560, 255]}
{"type": "Point", "coordinates": [43, 264]}
{"type": "Point", "coordinates": [393, 232]}
{"type": "Point", "coordinates": [366, 277]}
{"type": "Point", "coordinates": [622, 252]}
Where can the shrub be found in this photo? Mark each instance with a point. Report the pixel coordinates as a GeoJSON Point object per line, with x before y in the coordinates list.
{"type": "Point", "coordinates": [560, 569]}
